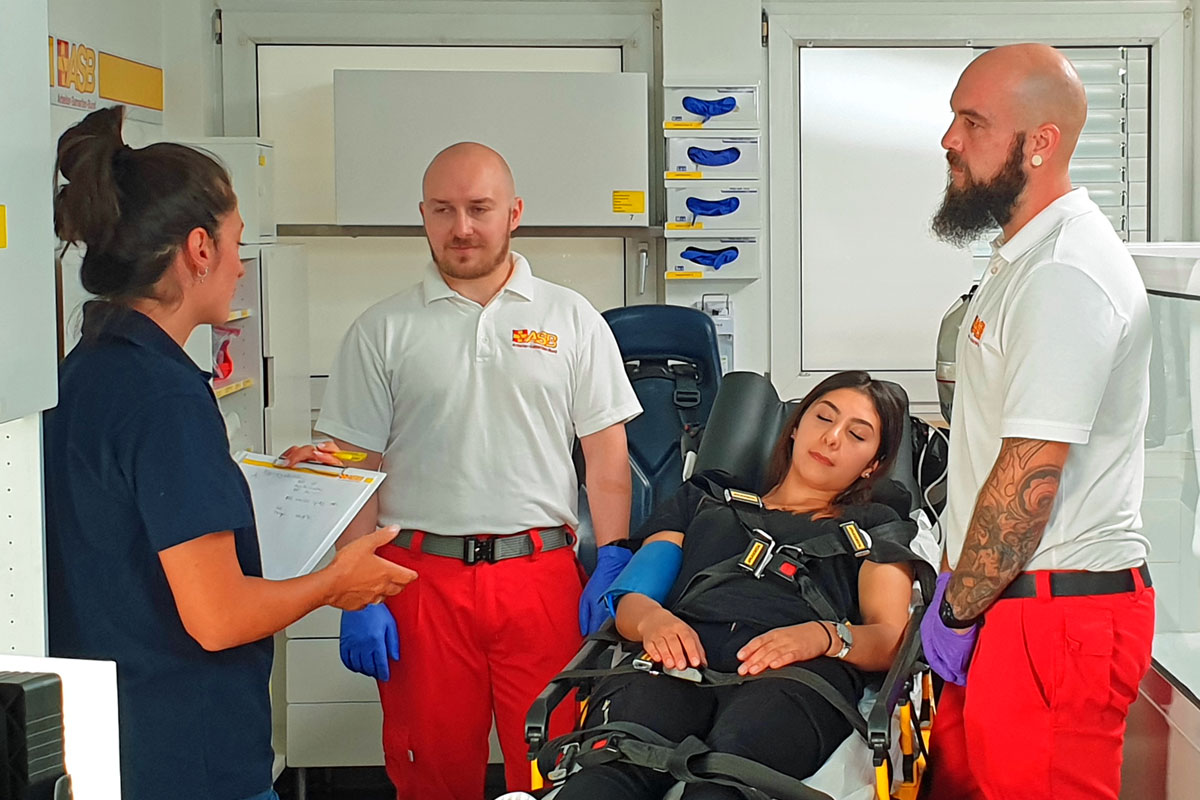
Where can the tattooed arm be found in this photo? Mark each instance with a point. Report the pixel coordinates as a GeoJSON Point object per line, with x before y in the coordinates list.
{"type": "Point", "coordinates": [1010, 516]}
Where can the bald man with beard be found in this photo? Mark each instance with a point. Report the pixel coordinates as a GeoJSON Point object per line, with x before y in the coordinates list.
{"type": "Point", "coordinates": [469, 390]}
{"type": "Point", "coordinates": [1043, 617]}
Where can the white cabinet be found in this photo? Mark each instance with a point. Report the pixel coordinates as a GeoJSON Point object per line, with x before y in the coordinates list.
{"type": "Point", "coordinates": [251, 165]}
{"type": "Point", "coordinates": [27, 320]}
{"type": "Point", "coordinates": [576, 141]}
{"type": "Point", "coordinates": [260, 354]}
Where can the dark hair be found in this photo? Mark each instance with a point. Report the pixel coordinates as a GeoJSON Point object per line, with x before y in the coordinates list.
{"type": "Point", "coordinates": [890, 404]}
{"type": "Point", "coordinates": [133, 209]}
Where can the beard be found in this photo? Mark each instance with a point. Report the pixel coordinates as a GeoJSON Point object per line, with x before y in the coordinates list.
{"type": "Point", "coordinates": [477, 263]}
{"type": "Point", "coordinates": [969, 211]}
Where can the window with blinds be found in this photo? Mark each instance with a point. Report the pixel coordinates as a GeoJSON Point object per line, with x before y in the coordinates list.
{"type": "Point", "coordinates": [1112, 157]}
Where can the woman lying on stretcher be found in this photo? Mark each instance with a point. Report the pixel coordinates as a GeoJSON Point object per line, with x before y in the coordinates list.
{"type": "Point", "coordinates": [691, 597]}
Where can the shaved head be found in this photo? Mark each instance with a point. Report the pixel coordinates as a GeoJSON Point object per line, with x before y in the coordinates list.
{"type": "Point", "coordinates": [470, 209]}
{"type": "Point", "coordinates": [1034, 85]}
{"type": "Point", "coordinates": [470, 160]}
{"type": "Point", "coordinates": [1018, 112]}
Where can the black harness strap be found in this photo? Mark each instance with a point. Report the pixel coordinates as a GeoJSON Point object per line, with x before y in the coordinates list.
{"type": "Point", "coordinates": [711, 679]}
{"type": "Point", "coordinates": [691, 761]}
{"type": "Point", "coordinates": [686, 395]}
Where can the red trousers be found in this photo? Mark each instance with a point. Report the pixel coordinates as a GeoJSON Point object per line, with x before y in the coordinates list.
{"type": "Point", "coordinates": [1043, 713]}
{"type": "Point", "coordinates": [475, 640]}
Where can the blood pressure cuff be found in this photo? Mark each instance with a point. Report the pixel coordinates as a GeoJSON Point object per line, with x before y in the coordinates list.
{"type": "Point", "coordinates": [709, 108]}
{"type": "Point", "coordinates": [652, 571]}
{"type": "Point", "coordinates": [713, 158]}
{"type": "Point", "coordinates": [710, 258]}
{"type": "Point", "coordinates": [713, 208]}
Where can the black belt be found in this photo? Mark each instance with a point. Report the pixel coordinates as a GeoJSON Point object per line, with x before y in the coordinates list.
{"type": "Point", "coordinates": [1078, 584]}
{"type": "Point", "coordinates": [489, 549]}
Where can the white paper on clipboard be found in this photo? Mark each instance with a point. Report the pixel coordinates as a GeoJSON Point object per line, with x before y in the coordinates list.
{"type": "Point", "coordinates": [301, 512]}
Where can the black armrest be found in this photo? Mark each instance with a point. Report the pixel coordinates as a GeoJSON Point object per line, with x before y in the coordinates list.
{"type": "Point", "coordinates": [895, 686]}
{"type": "Point", "coordinates": [537, 721]}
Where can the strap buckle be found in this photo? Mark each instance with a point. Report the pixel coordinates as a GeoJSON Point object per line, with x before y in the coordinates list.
{"type": "Point", "coordinates": [742, 496]}
{"type": "Point", "coordinates": [686, 398]}
{"type": "Point", "coordinates": [788, 562]}
{"type": "Point", "coordinates": [860, 541]}
{"type": "Point", "coordinates": [758, 554]}
{"type": "Point", "coordinates": [476, 550]}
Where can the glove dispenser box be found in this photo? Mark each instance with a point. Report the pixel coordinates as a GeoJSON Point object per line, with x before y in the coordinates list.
{"type": "Point", "coordinates": [713, 206]}
{"type": "Point", "coordinates": [695, 157]}
{"type": "Point", "coordinates": [690, 107]}
{"type": "Point", "coordinates": [725, 258]}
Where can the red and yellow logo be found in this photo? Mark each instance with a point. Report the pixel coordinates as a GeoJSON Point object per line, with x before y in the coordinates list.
{"type": "Point", "coordinates": [75, 67]}
{"type": "Point", "coordinates": [537, 340]}
{"type": "Point", "coordinates": [977, 329]}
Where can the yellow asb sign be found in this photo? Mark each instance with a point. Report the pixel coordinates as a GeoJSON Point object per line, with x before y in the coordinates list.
{"type": "Point", "coordinates": [86, 78]}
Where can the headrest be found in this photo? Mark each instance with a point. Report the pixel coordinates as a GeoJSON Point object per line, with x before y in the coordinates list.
{"type": "Point", "coordinates": [747, 418]}
{"type": "Point", "coordinates": [666, 332]}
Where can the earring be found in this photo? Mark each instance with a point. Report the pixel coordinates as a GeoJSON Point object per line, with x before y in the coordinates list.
{"type": "Point", "coordinates": [200, 276]}
{"type": "Point", "coordinates": [1036, 160]}
{"type": "Point", "coordinates": [867, 474]}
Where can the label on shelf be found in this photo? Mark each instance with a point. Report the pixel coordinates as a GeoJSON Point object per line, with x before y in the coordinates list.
{"type": "Point", "coordinates": [685, 226]}
{"type": "Point", "coordinates": [239, 313]}
{"type": "Point", "coordinates": [237, 386]}
{"type": "Point", "coordinates": [675, 276]}
{"type": "Point", "coordinates": [683, 176]}
{"type": "Point", "coordinates": [676, 125]}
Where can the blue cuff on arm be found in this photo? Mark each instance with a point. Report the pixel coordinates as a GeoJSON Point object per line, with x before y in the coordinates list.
{"type": "Point", "coordinates": [652, 571]}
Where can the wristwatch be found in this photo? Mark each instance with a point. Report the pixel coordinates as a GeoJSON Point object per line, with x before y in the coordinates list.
{"type": "Point", "coordinates": [843, 633]}
{"type": "Point", "coordinates": [946, 612]}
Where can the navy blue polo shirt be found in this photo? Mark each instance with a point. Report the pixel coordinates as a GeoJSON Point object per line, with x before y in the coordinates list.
{"type": "Point", "coordinates": [137, 461]}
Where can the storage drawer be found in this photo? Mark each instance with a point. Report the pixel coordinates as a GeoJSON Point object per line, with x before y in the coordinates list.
{"type": "Point", "coordinates": [334, 735]}
{"type": "Point", "coordinates": [316, 674]}
{"type": "Point", "coordinates": [323, 623]}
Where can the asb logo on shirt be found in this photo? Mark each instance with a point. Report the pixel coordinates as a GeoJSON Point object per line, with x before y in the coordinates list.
{"type": "Point", "coordinates": [977, 328]}
{"type": "Point", "coordinates": [535, 340]}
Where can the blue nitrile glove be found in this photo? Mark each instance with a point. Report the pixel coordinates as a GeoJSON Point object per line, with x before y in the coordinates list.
{"type": "Point", "coordinates": [713, 158]}
{"type": "Point", "coordinates": [610, 560]}
{"type": "Point", "coordinates": [710, 258]}
{"type": "Point", "coordinates": [368, 640]}
{"type": "Point", "coordinates": [712, 208]}
{"type": "Point", "coordinates": [709, 108]}
{"type": "Point", "coordinates": [947, 651]}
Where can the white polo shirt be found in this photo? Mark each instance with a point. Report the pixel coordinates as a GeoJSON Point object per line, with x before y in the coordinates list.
{"type": "Point", "coordinates": [475, 408]}
{"type": "Point", "coordinates": [1056, 346]}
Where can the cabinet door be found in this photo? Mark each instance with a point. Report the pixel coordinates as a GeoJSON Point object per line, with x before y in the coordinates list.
{"type": "Point", "coordinates": [28, 341]}
{"type": "Point", "coordinates": [285, 346]}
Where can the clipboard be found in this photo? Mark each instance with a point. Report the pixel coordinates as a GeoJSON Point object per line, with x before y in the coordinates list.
{"type": "Point", "coordinates": [300, 512]}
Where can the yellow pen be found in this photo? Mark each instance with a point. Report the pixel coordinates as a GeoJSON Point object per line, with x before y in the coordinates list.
{"type": "Point", "coordinates": [349, 455]}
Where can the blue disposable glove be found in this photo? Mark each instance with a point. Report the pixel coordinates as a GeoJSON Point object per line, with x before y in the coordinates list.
{"type": "Point", "coordinates": [368, 640]}
{"type": "Point", "coordinates": [948, 651]}
{"type": "Point", "coordinates": [610, 560]}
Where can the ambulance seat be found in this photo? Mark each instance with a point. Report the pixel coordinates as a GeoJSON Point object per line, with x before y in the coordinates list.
{"type": "Point", "coordinates": [746, 419]}
{"type": "Point", "coordinates": [670, 355]}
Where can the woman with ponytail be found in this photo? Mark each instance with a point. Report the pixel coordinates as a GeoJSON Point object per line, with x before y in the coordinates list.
{"type": "Point", "coordinates": [152, 555]}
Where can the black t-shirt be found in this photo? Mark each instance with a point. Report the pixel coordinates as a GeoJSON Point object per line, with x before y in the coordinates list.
{"type": "Point", "coordinates": [732, 613]}
{"type": "Point", "coordinates": [137, 461]}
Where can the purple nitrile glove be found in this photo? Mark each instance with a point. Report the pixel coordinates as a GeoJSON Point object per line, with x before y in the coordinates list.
{"type": "Point", "coordinates": [610, 560]}
{"type": "Point", "coordinates": [948, 651]}
{"type": "Point", "coordinates": [369, 640]}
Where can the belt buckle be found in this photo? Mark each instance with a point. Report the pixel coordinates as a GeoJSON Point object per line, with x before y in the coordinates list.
{"type": "Point", "coordinates": [477, 550]}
